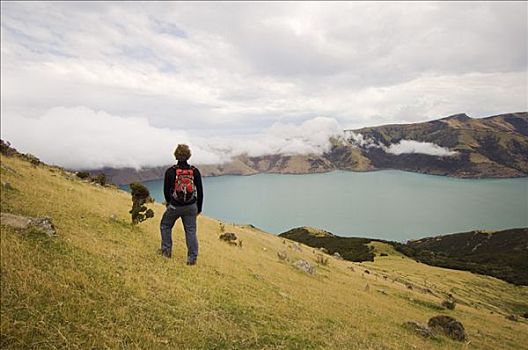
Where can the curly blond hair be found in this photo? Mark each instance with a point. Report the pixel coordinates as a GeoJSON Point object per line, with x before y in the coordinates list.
{"type": "Point", "coordinates": [182, 152]}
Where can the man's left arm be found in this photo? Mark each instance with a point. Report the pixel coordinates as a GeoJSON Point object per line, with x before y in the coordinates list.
{"type": "Point", "coordinates": [199, 189]}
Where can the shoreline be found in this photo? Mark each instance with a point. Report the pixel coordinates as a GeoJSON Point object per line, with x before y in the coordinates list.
{"type": "Point", "coordinates": [348, 170]}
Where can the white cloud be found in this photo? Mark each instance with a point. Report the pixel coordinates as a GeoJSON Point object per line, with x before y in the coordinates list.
{"type": "Point", "coordinates": [81, 138]}
{"type": "Point", "coordinates": [411, 146]}
{"type": "Point", "coordinates": [239, 68]}
{"type": "Point", "coordinates": [404, 146]}
{"type": "Point", "coordinates": [359, 140]}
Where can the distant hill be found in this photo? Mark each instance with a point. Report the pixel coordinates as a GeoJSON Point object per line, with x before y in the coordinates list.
{"type": "Point", "coordinates": [501, 254]}
{"type": "Point", "coordinates": [494, 147]}
{"type": "Point", "coordinates": [350, 248]}
{"type": "Point", "coordinates": [488, 147]}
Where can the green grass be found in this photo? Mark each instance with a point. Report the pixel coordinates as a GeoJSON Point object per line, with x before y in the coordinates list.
{"type": "Point", "coordinates": [100, 284]}
{"type": "Point", "coordinates": [350, 248]}
{"type": "Point", "coordinates": [500, 254]}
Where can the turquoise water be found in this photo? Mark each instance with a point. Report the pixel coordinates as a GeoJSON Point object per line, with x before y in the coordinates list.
{"type": "Point", "coordinates": [393, 205]}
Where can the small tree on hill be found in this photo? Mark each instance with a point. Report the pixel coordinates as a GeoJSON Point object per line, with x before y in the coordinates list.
{"type": "Point", "coordinates": [100, 179]}
{"type": "Point", "coordinates": [140, 196]}
{"type": "Point", "coordinates": [6, 149]}
{"type": "Point", "coordinates": [32, 159]}
{"type": "Point", "coordinates": [83, 175]}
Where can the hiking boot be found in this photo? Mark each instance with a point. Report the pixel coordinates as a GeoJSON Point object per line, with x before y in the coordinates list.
{"type": "Point", "coordinates": [165, 253]}
{"type": "Point", "coordinates": [190, 263]}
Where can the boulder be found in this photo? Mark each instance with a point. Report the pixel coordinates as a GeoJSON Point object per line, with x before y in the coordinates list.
{"type": "Point", "coordinates": [337, 256]}
{"type": "Point", "coordinates": [25, 223]}
{"type": "Point", "coordinates": [15, 221]}
{"type": "Point", "coordinates": [305, 266]}
{"type": "Point", "coordinates": [418, 328]}
{"type": "Point", "coordinates": [44, 224]}
{"type": "Point", "coordinates": [448, 326]}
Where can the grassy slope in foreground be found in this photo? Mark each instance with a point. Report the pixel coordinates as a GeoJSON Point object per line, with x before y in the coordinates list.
{"type": "Point", "coordinates": [100, 284]}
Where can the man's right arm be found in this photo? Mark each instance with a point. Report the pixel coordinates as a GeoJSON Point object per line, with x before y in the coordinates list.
{"type": "Point", "coordinates": [167, 186]}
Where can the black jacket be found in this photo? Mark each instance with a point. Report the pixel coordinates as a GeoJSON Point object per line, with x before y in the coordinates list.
{"type": "Point", "coordinates": [168, 187]}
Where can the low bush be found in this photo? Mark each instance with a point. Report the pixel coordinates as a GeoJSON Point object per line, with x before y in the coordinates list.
{"type": "Point", "coordinates": [101, 179]}
{"type": "Point", "coordinates": [140, 196]}
{"type": "Point", "coordinates": [321, 259]}
{"type": "Point", "coordinates": [83, 175]}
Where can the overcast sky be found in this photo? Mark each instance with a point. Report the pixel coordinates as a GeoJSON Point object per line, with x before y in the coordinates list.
{"type": "Point", "coordinates": [84, 83]}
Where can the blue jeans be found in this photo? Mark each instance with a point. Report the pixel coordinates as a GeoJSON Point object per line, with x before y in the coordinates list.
{"type": "Point", "coordinates": [188, 214]}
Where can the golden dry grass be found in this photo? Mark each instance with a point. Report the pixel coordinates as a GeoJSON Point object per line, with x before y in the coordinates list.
{"type": "Point", "coordinates": [100, 284]}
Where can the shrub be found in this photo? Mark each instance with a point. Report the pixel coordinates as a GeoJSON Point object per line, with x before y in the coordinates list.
{"type": "Point", "coordinates": [83, 175]}
{"type": "Point", "coordinates": [6, 149]}
{"type": "Point", "coordinates": [321, 259]}
{"type": "Point", "coordinates": [101, 179]}
{"type": "Point", "coordinates": [32, 159]}
{"type": "Point", "coordinates": [228, 237]}
{"type": "Point", "coordinates": [449, 304]}
{"type": "Point", "coordinates": [282, 255]}
{"type": "Point", "coordinates": [140, 196]}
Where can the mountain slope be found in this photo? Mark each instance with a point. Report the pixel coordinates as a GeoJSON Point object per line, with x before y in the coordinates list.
{"type": "Point", "coordinates": [489, 147]}
{"type": "Point", "coordinates": [485, 147]}
{"type": "Point", "coordinates": [502, 254]}
{"type": "Point", "coordinates": [349, 248]}
{"type": "Point", "coordinates": [100, 284]}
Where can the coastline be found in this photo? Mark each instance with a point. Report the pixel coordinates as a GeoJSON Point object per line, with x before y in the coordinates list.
{"type": "Point", "coordinates": [468, 177]}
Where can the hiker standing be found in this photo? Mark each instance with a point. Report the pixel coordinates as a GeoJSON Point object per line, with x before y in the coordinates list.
{"type": "Point", "coordinates": [184, 197]}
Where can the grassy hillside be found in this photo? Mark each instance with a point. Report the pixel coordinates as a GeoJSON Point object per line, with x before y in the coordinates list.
{"type": "Point", "coordinates": [350, 248]}
{"type": "Point", "coordinates": [502, 254]}
{"type": "Point", "coordinates": [100, 284]}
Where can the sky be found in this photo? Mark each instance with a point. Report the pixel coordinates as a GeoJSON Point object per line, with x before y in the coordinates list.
{"type": "Point", "coordinates": [93, 84]}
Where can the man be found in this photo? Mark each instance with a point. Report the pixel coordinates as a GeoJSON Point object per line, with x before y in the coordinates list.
{"type": "Point", "coordinates": [184, 197]}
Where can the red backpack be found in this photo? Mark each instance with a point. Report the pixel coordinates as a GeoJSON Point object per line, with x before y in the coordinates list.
{"type": "Point", "coordinates": [184, 188]}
